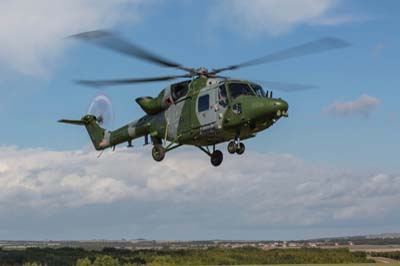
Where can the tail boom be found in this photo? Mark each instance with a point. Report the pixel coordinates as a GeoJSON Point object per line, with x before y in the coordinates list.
{"type": "Point", "coordinates": [102, 138]}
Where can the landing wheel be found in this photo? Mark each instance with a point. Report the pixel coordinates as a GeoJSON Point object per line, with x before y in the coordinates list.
{"type": "Point", "coordinates": [240, 150]}
{"type": "Point", "coordinates": [158, 152]}
{"type": "Point", "coordinates": [232, 147]}
{"type": "Point", "coordinates": [216, 158]}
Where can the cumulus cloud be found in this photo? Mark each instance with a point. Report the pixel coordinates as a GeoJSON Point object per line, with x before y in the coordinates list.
{"type": "Point", "coordinates": [32, 33]}
{"type": "Point", "coordinates": [276, 17]}
{"type": "Point", "coordinates": [258, 191]}
{"type": "Point", "coordinates": [364, 105]}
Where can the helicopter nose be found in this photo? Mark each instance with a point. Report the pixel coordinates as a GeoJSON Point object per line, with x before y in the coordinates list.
{"type": "Point", "coordinates": [257, 108]}
{"type": "Point", "coordinates": [281, 107]}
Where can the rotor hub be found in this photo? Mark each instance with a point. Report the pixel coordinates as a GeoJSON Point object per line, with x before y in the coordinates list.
{"type": "Point", "coordinates": [202, 71]}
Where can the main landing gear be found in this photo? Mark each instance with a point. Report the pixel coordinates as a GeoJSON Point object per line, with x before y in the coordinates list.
{"type": "Point", "coordinates": [216, 156]}
{"type": "Point", "coordinates": [158, 152]}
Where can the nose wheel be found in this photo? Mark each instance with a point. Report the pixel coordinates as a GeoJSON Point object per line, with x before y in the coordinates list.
{"type": "Point", "coordinates": [234, 147]}
{"type": "Point", "coordinates": [241, 148]}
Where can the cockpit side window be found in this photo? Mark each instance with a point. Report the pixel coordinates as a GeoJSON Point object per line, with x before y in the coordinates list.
{"type": "Point", "coordinates": [222, 96]}
{"type": "Point", "coordinates": [203, 103]}
{"type": "Point", "coordinates": [238, 89]}
{"type": "Point", "coordinates": [258, 90]}
{"type": "Point", "coordinates": [179, 90]}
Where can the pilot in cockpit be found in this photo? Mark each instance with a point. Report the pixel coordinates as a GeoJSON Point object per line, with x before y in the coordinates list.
{"type": "Point", "coordinates": [223, 97]}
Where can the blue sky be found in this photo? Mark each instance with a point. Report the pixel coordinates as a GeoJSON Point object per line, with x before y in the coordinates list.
{"type": "Point", "coordinates": [348, 128]}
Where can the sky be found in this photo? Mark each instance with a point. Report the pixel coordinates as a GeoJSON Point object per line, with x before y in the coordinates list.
{"type": "Point", "coordinates": [330, 169]}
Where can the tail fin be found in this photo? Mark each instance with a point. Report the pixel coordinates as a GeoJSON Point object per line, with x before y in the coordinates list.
{"type": "Point", "coordinates": [96, 133]}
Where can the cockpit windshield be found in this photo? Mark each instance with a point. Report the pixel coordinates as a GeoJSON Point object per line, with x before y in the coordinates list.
{"type": "Point", "coordinates": [258, 90]}
{"type": "Point", "coordinates": [238, 89]}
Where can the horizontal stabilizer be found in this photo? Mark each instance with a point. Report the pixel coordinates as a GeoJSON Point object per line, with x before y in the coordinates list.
{"type": "Point", "coordinates": [73, 122]}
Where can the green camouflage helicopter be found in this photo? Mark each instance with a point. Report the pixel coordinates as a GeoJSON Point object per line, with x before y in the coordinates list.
{"type": "Point", "coordinates": [204, 110]}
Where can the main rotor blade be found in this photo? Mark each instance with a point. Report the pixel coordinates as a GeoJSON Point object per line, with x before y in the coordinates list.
{"type": "Point", "coordinates": [114, 82]}
{"type": "Point", "coordinates": [313, 47]}
{"type": "Point", "coordinates": [112, 41]}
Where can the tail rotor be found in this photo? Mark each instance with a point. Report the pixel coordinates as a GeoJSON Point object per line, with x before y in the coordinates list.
{"type": "Point", "coordinates": [101, 108]}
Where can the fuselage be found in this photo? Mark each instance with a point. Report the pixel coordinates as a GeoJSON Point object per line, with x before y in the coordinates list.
{"type": "Point", "coordinates": [206, 112]}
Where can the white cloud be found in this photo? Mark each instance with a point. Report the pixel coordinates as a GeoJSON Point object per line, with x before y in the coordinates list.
{"type": "Point", "coordinates": [32, 33]}
{"type": "Point", "coordinates": [255, 191]}
{"type": "Point", "coordinates": [276, 17]}
{"type": "Point", "coordinates": [364, 105]}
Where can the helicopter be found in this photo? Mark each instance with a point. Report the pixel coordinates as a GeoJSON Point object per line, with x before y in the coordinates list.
{"type": "Point", "coordinates": [203, 110]}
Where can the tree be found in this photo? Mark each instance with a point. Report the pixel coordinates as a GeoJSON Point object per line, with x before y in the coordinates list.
{"type": "Point", "coordinates": [83, 262]}
{"type": "Point", "coordinates": [105, 261]}
{"type": "Point", "coordinates": [162, 261]}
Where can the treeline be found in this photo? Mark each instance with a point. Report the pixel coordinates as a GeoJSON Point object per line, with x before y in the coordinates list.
{"type": "Point", "coordinates": [365, 241]}
{"type": "Point", "coordinates": [172, 257]}
{"type": "Point", "coordinates": [391, 255]}
{"type": "Point", "coordinates": [43, 256]}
